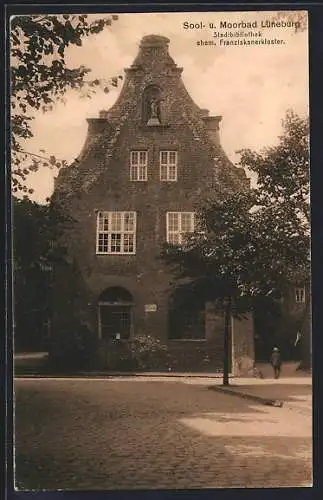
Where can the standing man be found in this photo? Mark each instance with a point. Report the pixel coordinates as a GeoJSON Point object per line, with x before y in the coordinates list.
{"type": "Point", "coordinates": [275, 361]}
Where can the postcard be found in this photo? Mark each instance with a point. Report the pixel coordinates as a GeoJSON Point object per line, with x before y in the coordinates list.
{"type": "Point", "coordinates": [161, 250]}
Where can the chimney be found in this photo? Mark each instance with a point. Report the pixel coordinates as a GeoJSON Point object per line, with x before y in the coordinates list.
{"type": "Point", "coordinates": [153, 51]}
{"type": "Point", "coordinates": [213, 127]}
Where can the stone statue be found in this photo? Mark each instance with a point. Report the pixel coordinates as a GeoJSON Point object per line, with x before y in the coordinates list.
{"type": "Point", "coordinates": [154, 111]}
{"type": "Point", "coordinates": [154, 108]}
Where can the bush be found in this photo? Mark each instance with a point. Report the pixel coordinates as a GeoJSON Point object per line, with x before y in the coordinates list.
{"type": "Point", "coordinates": [143, 352]}
{"type": "Point", "coordinates": [149, 353]}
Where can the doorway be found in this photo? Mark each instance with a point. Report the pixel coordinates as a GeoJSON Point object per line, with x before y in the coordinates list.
{"type": "Point", "coordinates": [115, 314]}
{"type": "Point", "coordinates": [115, 319]}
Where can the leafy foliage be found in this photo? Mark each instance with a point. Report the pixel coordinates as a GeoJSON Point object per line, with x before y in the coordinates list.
{"type": "Point", "coordinates": [148, 352]}
{"type": "Point", "coordinates": [282, 198]}
{"type": "Point", "coordinates": [252, 244]}
{"type": "Point", "coordinates": [142, 352]}
{"type": "Point", "coordinates": [40, 77]}
{"type": "Point", "coordinates": [283, 174]}
{"type": "Point", "coordinates": [36, 248]}
{"type": "Point", "coordinates": [240, 254]}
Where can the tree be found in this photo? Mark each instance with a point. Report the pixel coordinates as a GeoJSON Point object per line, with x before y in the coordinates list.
{"type": "Point", "coordinates": [36, 231]}
{"type": "Point", "coordinates": [283, 197]}
{"type": "Point", "coordinates": [40, 77]}
{"type": "Point", "coordinates": [283, 173]}
{"type": "Point", "coordinates": [250, 244]}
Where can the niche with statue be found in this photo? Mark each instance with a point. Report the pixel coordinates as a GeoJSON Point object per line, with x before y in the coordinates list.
{"type": "Point", "coordinates": [151, 109]}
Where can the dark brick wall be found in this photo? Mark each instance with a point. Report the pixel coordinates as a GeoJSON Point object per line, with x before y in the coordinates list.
{"type": "Point", "coordinates": [281, 327]}
{"type": "Point", "coordinates": [100, 180]}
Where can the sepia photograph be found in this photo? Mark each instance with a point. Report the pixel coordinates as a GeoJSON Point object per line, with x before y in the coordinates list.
{"type": "Point", "coordinates": [161, 255]}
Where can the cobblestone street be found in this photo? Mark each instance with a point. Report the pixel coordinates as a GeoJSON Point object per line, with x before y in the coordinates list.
{"type": "Point", "coordinates": [154, 434]}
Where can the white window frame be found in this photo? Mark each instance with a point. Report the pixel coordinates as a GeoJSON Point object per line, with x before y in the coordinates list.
{"type": "Point", "coordinates": [122, 232]}
{"type": "Point", "coordinates": [168, 165]}
{"type": "Point", "coordinates": [180, 231]}
{"type": "Point", "coordinates": [136, 166]}
{"type": "Point", "coordinates": [300, 295]}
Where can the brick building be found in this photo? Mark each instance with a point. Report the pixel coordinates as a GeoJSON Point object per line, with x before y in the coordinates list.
{"type": "Point", "coordinates": [146, 164]}
{"type": "Point", "coordinates": [285, 322]}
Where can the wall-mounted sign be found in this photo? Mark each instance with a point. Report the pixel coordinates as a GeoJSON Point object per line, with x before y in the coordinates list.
{"type": "Point", "coordinates": [150, 308]}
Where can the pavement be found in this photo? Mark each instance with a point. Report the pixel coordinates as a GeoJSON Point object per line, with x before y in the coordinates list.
{"type": "Point", "coordinates": [265, 390]}
{"type": "Point", "coordinates": [157, 433]}
{"type": "Point", "coordinates": [281, 392]}
{"type": "Point", "coordinates": [26, 356]}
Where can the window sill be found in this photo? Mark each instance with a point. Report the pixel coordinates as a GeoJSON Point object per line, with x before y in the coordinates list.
{"type": "Point", "coordinates": [115, 253]}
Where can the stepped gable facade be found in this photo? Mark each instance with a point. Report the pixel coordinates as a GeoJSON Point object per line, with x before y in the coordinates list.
{"type": "Point", "coordinates": [146, 164]}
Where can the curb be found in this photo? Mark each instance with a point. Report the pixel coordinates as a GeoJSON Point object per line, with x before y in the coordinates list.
{"type": "Point", "coordinates": [117, 374]}
{"type": "Point", "coordinates": [259, 399]}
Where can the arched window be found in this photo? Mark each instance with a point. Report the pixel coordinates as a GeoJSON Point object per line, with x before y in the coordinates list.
{"type": "Point", "coordinates": [116, 294]}
{"type": "Point", "coordinates": [151, 105]}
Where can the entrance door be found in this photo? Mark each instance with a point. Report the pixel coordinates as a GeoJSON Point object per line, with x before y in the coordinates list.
{"type": "Point", "coordinates": [115, 319]}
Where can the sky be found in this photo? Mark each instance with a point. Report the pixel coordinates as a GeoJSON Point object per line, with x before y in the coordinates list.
{"type": "Point", "coordinates": [250, 87]}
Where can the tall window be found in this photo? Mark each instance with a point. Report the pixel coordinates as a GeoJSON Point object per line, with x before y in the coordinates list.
{"type": "Point", "coordinates": [168, 165]}
{"type": "Point", "coordinates": [178, 224]}
{"type": "Point", "coordinates": [186, 317]}
{"type": "Point", "coordinates": [138, 165]}
{"type": "Point", "coordinates": [300, 295]}
{"type": "Point", "coordinates": [116, 233]}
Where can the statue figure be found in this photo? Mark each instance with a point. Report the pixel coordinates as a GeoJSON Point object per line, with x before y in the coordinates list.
{"type": "Point", "coordinates": [154, 108]}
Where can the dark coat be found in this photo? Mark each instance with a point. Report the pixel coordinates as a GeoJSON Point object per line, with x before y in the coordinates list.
{"type": "Point", "coordinates": [275, 359]}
